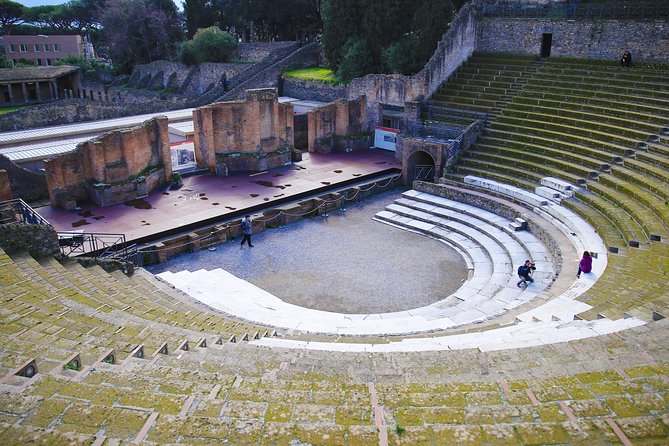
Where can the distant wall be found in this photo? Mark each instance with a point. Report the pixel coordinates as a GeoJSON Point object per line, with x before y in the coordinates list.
{"type": "Point", "coordinates": [257, 51]}
{"type": "Point", "coordinates": [602, 39]}
{"type": "Point", "coordinates": [78, 110]}
{"type": "Point", "coordinates": [115, 167]}
{"type": "Point", "coordinates": [313, 91]}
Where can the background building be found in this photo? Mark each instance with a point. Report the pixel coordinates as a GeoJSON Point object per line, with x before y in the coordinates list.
{"type": "Point", "coordinates": [46, 50]}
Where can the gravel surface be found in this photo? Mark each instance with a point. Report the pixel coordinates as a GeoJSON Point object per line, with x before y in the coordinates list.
{"type": "Point", "coordinates": [344, 263]}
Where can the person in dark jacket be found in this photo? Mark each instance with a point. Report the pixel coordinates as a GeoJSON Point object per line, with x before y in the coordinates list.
{"type": "Point", "coordinates": [626, 60]}
{"type": "Point", "coordinates": [585, 265]}
{"type": "Point", "coordinates": [247, 229]}
{"type": "Point", "coordinates": [525, 273]}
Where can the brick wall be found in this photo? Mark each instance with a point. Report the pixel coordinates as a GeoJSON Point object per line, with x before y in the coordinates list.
{"type": "Point", "coordinates": [240, 134]}
{"type": "Point", "coordinates": [111, 165]}
{"type": "Point", "coordinates": [341, 118]}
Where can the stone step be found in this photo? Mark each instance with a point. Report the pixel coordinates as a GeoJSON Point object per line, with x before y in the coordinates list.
{"type": "Point", "coordinates": [561, 186]}
{"type": "Point", "coordinates": [549, 193]}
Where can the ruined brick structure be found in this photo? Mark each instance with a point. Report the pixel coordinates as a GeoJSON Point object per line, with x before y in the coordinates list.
{"type": "Point", "coordinates": [338, 126]}
{"type": "Point", "coordinates": [5, 189]}
{"type": "Point", "coordinates": [113, 168]}
{"type": "Point", "coordinates": [244, 136]}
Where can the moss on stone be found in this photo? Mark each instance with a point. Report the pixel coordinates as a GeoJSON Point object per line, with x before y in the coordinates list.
{"type": "Point", "coordinates": [353, 415]}
{"type": "Point", "coordinates": [460, 435]}
{"type": "Point", "coordinates": [444, 415]}
{"type": "Point", "coordinates": [588, 408]}
{"type": "Point", "coordinates": [517, 397]}
{"type": "Point", "coordinates": [320, 434]}
{"type": "Point", "coordinates": [542, 434]}
{"type": "Point", "coordinates": [410, 416]}
{"type": "Point", "coordinates": [244, 410]}
{"type": "Point", "coordinates": [361, 436]}
{"type": "Point", "coordinates": [606, 388]}
{"type": "Point", "coordinates": [139, 399]}
{"type": "Point", "coordinates": [645, 370]}
{"type": "Point", "coordinates": [579, 392]}
{"type": "Point", "coordinates": [551, 394]}
{"type": "Point", "coordinates": [47, 412]}
{"type": "Point", "coordinates": [644, 428]}
{"type": "Point", "coordinates": [623, 407]}
{"type": "Point", "coordinates": [170, 404]}
{"type": "Point", "coordinates": [124, 422]}
{"type": "Point", "coordinates": [551, 412]}
{"type": "Point", "coordinates": [484, 398]}
{"type": "Point", "coordinates": [649, 402]}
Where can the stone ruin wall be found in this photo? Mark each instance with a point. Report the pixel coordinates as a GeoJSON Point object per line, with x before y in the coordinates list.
{"type": "Point", "coordinates": [257, 51]}
{"type": "Point", "coordinates": [124, 164]}
{"type": "Point", "coordinates": [602, 39]}
{"type": "Point", "coordinates": [21, 183]}
{"type": "Point", "coordinates": [337, 126]}
{"type": "Point", "coordinates": [250, 135]}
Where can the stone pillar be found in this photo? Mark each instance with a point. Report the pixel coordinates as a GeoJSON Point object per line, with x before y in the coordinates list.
{"type": "Point", "coordinates": [37, 92]}
{"type": "Point", "coordinates": [25, 91]}
{"type": "Point", "coordinates": [5, 188]}
{"type": "Point", "coordinates": [54, 90]}
{"type": "Point", "coordinates": [11, 93]}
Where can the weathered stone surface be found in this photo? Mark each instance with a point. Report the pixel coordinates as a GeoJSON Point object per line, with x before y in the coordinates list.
{"type": "Point", "coordinates": [40, 241]}
{"type": "Point", "coordinates": [587, 39]}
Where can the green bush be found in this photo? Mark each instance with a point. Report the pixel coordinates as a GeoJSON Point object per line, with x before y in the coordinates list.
{"type": "Point", "coordinates": [86, 65]}
{"type": "Point", "coordinates": [207, 45]}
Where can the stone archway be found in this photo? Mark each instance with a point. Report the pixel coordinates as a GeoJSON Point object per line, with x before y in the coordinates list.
{"type": "Point", "coordinates": [419, 166]}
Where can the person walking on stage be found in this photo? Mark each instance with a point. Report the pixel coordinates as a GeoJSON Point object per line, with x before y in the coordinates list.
{"type": "Point", "coordinates": [247, 229]}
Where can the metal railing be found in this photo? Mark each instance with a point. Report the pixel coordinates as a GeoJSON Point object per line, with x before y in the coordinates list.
{"type": "Point", "coordinates": [430, 130]}
{"type": "Point", "coordinates": [598, 11]}
{"type": "Point", "coordinates": [93, 244]}
{"type": "Point", "coordinates": [17, 210]}
{"type": "Point", "coordinates": [424, 172]}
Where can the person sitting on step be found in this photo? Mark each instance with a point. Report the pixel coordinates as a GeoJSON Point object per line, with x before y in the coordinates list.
{"type": "Point", "coordinates": [585, 265]}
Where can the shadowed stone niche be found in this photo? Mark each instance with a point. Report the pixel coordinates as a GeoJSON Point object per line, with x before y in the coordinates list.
{"type": "Point", "coordinates": [113, 168]}
{"type": "Point", "coordinates": [244, 136]}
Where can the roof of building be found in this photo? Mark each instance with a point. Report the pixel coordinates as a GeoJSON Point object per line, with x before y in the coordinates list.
{"type": "Point", "coordinates": [34, 73]}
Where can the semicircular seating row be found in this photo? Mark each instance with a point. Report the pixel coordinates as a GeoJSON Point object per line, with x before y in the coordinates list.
{"type": "Point", "coordinates": [493, 252]}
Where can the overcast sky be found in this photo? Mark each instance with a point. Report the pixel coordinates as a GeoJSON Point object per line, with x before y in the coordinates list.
{"type": "Point", "coordinates": [41, 2]}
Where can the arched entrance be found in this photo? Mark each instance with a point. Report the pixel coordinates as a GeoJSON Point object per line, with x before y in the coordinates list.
{"type": "Point", "coordinates": [420, 166]}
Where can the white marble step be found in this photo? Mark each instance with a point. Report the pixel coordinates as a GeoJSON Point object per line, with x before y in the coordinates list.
{"type": "Point", "coordinates": [526, 238]}
{"type": "Point", "coordinates": [549, 193]}
{"type": "Point", "coordinates": [507, 189]}
{"type": "Point", "coordinates": [522, 335]}
{"type": "Point", "coordinates": [485, 297]}
{"type": "Point", "coordinates": [562, 186]}
{"type": "Point", "coordinates": [469, 214]}
{"type": "Point", "coordinates": [444, 214]}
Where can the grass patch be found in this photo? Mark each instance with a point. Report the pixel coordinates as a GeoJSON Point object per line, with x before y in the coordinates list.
{"type": "Point", "coordinates": [315, 74]}
{"type": "Point", "coordinates": [4, 110]}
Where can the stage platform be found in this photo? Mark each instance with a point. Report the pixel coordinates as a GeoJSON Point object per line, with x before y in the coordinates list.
{"type": "Point", "coordinates": [205, 199]}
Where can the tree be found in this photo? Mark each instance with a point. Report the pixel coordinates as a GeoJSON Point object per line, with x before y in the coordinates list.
{"type": "Point", "coordinates": [394, 35]}
{"type": "Point", "coordinates": [11, 14]}
{"type": "Point", "coordinates": [208, 45]}
{"type": "Point", "coordinates": [200, 14]}
{"type": "Point", "coordinates": [137, 31]}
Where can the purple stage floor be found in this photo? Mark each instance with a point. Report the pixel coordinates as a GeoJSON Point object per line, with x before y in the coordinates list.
{"type": "Point", "coordinates": [207, 196]}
